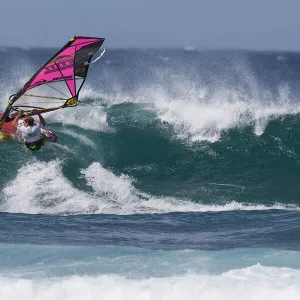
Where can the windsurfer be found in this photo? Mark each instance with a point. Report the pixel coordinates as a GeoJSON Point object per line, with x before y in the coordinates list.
{"type": "Point", "coordinates": [31, 131]}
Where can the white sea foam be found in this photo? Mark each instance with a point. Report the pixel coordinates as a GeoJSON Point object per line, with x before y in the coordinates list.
{"type": "Point", "coordinates": [198, 112]}
{"type": "Point", "coordinates": [87, 92]}
{"type": "Point", "coordinates": [82, 138]}
{"type": "Point", "coordinates": [256, 282]}
{"type": "Point", "coordinates": [86, 117]}
{"type": "Point", "coordinates": [11, 83]}
{"type": "Point", "coordinates": [200, 116]}
{"type": "Point", "coordinates": [104, 182]}
{"type": "Point", "coordinates": [41, 187]}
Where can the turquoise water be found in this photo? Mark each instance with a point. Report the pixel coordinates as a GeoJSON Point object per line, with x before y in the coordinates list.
{"type": "Point", "coordinates": [176, 176]}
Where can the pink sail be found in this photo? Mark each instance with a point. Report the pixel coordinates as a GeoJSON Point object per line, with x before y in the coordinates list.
{"type": "Point", "coordinates": [71, 61]}
{"type": "Point", "coordinates": [57, 83]}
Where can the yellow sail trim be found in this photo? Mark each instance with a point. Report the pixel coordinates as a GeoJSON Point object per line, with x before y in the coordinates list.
{"type": "Point", "coordinates": [46, 97]}
{"type": "Point", "coordinates": [72, 101]}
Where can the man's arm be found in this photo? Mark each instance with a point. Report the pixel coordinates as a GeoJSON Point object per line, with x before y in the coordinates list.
{"type": "Point", "coordinates": [15, 121]}
{"type": "Point", "coordinates": [42, 120]}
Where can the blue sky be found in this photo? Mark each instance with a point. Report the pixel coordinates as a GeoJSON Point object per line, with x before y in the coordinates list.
{"type": "Point", "coordinates": [251, 24]}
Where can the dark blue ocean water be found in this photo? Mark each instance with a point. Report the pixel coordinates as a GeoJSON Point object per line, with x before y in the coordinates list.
{"type": "Point", "coordinates": [176, 177]}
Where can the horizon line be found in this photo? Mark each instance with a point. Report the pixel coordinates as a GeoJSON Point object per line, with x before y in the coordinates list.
{"type": "Point", "coordinates": [187, 48]}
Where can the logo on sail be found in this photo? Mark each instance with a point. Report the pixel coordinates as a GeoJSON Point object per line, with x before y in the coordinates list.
{"type": "Point", "coordinates": [59, 63]}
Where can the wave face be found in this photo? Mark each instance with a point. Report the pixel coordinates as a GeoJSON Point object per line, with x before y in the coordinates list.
{"type": "Point", "coordinates": [176, 175]}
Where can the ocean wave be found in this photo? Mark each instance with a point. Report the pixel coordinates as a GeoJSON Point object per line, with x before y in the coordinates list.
{"type": "Point", "coordinates": [188, 136]}
{"type": "Point", "coordinates": [111, 194]}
